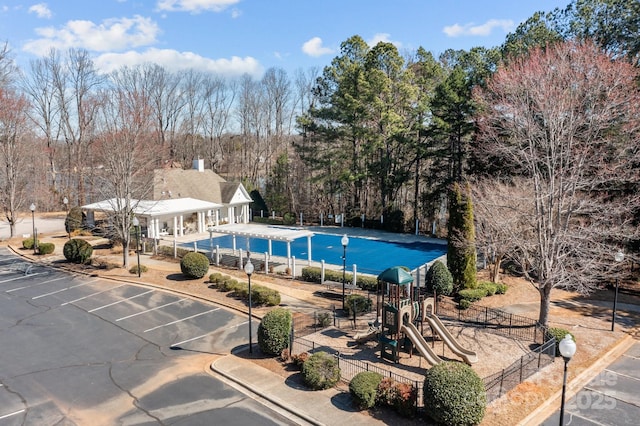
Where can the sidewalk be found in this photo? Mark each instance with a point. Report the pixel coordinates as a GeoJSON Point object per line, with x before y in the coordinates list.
{"type": "Point", "coordinates": [327, 407]}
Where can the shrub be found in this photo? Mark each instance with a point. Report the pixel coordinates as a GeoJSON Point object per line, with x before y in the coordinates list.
{"type": "Point", "coordinates": [261, 295]}
{"type": "Point", "coordinates": [501, 288]}
{"type": "Point", "coordinates": [313, 274]}
{"type": "Point", "coordinates": [464, 304]}
{"type": "Point", "coordinates": [405, 398]}
{"type": "Point", "coordinates": [364, 387]}
{"type": "Point", "coordinates": [472, 294]}
{"type": "Point", "coordinates": [274, 331]}
{"type": "Point", "coordinates": [324, 319]}
{"type": "Point", "coordinates": [321, 371]}
{"type": "Point", "coordinates": [73, 221]}
{"type": "Point", "coordinates": [454, 394]}
{"type": "Point", "coordinates": [27, 243]}
{"type": "Point", "coordinates": [77, 251]}
{"type": "Point", "coordinates": [134, 269]}
{"type": "Point", "coordinates": [300, 359]}
{"type": "Point", "coordinates": [559, 334]}
{"type": "Point", "coordinates": [489, 287]}
{"type": "Point", "coordinates": [194, 265]}
{"type": "Point", "coordinates": [401, 396]}
{"type": "Point", "coordinates": [46, 248]}
{"type": "Point", "coordinates": [216, 278]}
{"type": "Point", "coordinates": [439, 279]}
{"type": "Point", "coordinates": [362, 304]}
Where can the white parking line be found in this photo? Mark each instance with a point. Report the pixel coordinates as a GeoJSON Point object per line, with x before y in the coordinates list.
{"type": "Point", "coordinates": [63, 289]}
{"type": "Point", "coordinates": [12, 414]}
{"type": "Point", "coordinates": [91, 295]}
{"type": "Point", "coordinates": [205, 335]}
{"type": "Point", "coordinates": [149, 310]}
{"type": "Point", "coordinates": [35, 285]}
{"type": "Point", "coordinates": [183, 319]}
{"type": "Point", "coordinates": [23, 276]}
{"type": "Point", "coordinates": [120, 301]}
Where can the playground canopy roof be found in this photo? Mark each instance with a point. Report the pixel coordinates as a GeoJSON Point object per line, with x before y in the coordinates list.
{"type": "Point", "coordinates": [265, 232]}
{"type": "Point", "coordinates": [396, 275]}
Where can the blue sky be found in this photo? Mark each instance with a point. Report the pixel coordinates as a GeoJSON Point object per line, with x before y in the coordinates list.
{"type": "Point", "coordinates": [232, 37]}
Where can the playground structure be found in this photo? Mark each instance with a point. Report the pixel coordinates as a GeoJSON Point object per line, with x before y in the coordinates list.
{"type": "Point", "coordinates": [401, 313]}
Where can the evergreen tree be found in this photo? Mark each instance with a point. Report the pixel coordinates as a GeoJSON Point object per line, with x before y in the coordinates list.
{"type": "Point", "coordinates": [461, 252]}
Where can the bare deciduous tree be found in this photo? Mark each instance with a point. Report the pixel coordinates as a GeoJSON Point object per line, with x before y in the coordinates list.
{"type": "Point", "coordinates": [565, 120]}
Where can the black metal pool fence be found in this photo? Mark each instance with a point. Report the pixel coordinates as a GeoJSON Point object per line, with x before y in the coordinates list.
{"type": "Point", "coordinates": [493, 320]}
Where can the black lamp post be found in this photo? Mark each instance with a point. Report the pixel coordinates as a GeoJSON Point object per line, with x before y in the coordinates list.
{"type": "Point", "coordinates": [32, 207]}
{"type": "Point", "coordinates": [345, 243]}
{"type": "Point", "coordinates": [619, 257]}
{"type": "Point", "coordinates": [136, 224]}
{"type": "Point", "coordinates": [248, 269]}
{"type": "Point", "coordinates": [567, 349]}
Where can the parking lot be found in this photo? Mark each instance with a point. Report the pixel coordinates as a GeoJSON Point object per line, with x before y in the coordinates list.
{"type": "Point", "coordinates": [77, 349]}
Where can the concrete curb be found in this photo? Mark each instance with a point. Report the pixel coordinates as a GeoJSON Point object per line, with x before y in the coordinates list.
{"type": "Point", "coordinates": [552, 404]}
{"type": "Point", "coordinates": [272, 400]}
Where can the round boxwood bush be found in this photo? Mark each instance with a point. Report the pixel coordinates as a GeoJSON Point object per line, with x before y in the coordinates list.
{"type": "Point", "coordinates": [27, 244]}
{"type": "Point", "coordinates": [439, 279]}
{"type": "Point", "coordinates": [559, 334]}
{"type": "Point", "coordinates": [194, 265]}
{"type": "Point", "coordinates": [321, 371]}
{"type": "Point", "coordinates": [134, 269]}
{"type": "Point", "coordinates": [364, 388]}
{"type": "Point", "coordinates": [274, 331]}
{"type": "Point", "coordinates": [77, 251]}
{"type": "Point", "coordinates": [46, 248]}
{"type": "Point", "coordinates": [454, 394]}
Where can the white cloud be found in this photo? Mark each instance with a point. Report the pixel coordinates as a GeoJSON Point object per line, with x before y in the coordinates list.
{"type": "Point", "coordinates": [384, 37]}
{"type": "Point", "coordinates": [485, 29]}
{"type": "Point", "coordinates": [314, 48]}
{"type": "Point", "coordinates": [111, 34]}
{"type": "Point", "coordinates": [195, 6]}
{"type": "Point", "coordinates": [173, 60]}
{"type": "Point", "coordinates": [41, 10]}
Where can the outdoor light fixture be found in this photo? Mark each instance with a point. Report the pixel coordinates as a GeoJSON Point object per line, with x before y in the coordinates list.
{"type": "Point", "coordinates": [136, 224]}
{"type": "Point", "coordinates": [32, 207]}
{"type": "Point", "coordinates": [345, 242]}
{"type": "Point", "coordinates": [65, 201]}
{"type": "Point", "coordinates": [248, 269]}
{"type": "Point", "coordinates": [567, 349]}
{"type": "Point", "coordinates": [619, 257]}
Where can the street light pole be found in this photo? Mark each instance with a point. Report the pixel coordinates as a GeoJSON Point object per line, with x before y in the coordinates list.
{"type": "Point", "coordinates": [136, 224]}
{"type": "Point", "coordinates": [345, 243]}
{"type": "Point", "coordinates": [65, 201]}
{"type": "Point", "coordinates": [32, 207]}
{"type": "Point", "coordinates": [248, 269]}
{"type": "Point", "coordinates": [567, 349]}
{"type": "Point", "coordinates": [619, 257]}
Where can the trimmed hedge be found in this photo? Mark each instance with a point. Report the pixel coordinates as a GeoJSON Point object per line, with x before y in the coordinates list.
{"type": "Point", "coordinates": [364, 388]}
{"type": "Point", "coordinates": [194, 265]}
{"type": "Point", "coordinates": [46, 248]}
{"type": "Point", "coordinates": [27, 244]}
{"type": "Point", "coordinates": [77, 251]}
{"type": "Point", "coordinates": [274, 331]}
{"type": "Point", "coordinates": [454, 394]}
{"type": "Point", "coordinates": [321, 371]}
{"type": "Point", "coordinates": [134, 269]}
{"type": "Point", "coordinates": [260, 295]}
{"type": "Point", "coordinates": [313, 274]}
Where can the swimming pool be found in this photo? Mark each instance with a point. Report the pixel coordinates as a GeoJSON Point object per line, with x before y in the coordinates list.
{"type": "Point", "coordinates": [370, 256]}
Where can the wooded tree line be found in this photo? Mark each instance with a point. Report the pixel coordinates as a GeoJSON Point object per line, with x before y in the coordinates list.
{"type": "Point", "coordinates": [376, 132]}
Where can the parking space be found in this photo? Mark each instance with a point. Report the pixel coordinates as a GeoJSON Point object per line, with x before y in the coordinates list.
{"type": "Point", "coordinates": [88, 344]}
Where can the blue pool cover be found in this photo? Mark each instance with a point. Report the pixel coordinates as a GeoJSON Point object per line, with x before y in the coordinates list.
{"type": "Point", "coordinates": [370, 256]}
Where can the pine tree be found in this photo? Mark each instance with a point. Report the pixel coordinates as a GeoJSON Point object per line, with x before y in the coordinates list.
{"type": "Point", "coordinates": [461, 253]}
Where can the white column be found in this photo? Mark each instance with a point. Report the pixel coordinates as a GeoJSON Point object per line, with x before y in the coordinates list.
{"type": "Point", "coordinates": [322, 271]}
{"type": "Point", "coordinates": [288, 249]}
{"type": "Point", "coordinates": [266, 263]}
{"type": "Point", "coordinates": [309, 249]}
{"type": "Point", "coordinates": [270, 248]}
{"type": "Point", "coordinates": [233, 239]}
{"type": "Point", "coordinates": [217, 217]}
{"type": "Point", "coordinates": [175, 226]}
{"type": "Point", "coordinates": [355, 271]}
{"type": "Point", "coordinates": [181, 225]}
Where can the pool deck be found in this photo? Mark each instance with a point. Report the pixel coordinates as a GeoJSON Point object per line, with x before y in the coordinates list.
{"type": "Point", "coordinates": [281, 262]}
